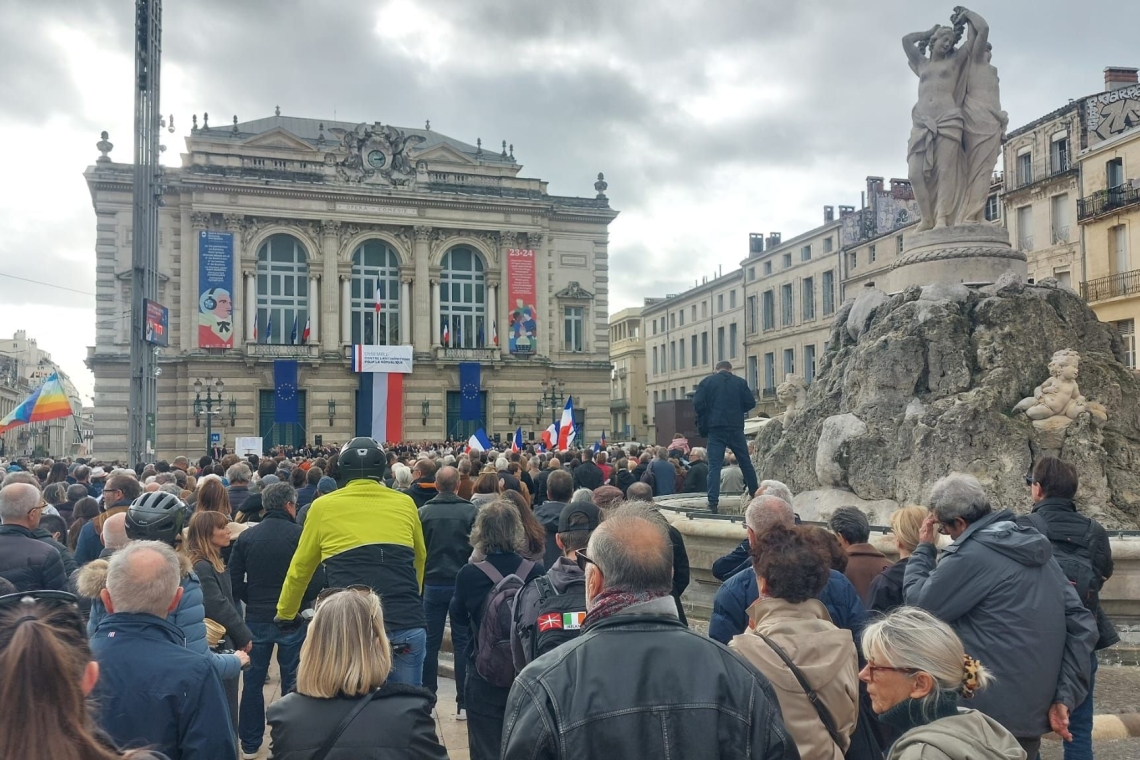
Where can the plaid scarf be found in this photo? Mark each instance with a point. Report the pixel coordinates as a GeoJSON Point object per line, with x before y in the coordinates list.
{"type": "Point", "coordinates": [612, 602]}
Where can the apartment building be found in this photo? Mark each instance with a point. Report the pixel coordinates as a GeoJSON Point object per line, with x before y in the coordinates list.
{"type": "Point", "coordinates": [629, 412]}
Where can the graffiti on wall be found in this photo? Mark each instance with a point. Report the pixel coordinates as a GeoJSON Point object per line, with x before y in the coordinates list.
{"type": "Point", "coordinates": [1111, 113]}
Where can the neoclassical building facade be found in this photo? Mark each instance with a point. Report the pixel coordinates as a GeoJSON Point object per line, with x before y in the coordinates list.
{"type": "Point", "coordinates": [293, 238]}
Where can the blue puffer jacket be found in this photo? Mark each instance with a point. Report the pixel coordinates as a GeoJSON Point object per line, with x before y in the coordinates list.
{"type": "Point", "coordinates": [190, 615]}
{"type": "Point", "coordinates": [736, 595]}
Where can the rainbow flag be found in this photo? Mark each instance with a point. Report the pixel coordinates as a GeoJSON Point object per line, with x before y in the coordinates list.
{"type": "Point", "coordinates": [48, 402]}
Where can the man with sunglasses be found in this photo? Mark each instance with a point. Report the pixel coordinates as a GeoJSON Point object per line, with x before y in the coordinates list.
{"type": "Point", "coordinates": [998, 586]}
{"type": "Point", "coordinates": [30, 564]}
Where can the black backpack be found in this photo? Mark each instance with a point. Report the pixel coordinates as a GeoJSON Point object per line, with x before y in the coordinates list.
{"type": "Point", "coordinates": [493, 660]}
{"type": "Point", "coordinates": [558, 618]}
{"type": "Point", "coordinates": [1074, 555]}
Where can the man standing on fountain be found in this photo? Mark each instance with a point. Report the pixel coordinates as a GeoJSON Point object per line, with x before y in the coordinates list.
{"type": "Point", "coordinates": [721, 401]}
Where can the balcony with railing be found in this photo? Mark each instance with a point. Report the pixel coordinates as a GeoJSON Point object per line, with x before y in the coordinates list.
{"type": "Point", "coordinates": [282, 351]}
{"type": "Point", "coordinates": [619, 404]}
{"type": "Point", "coordinates": [1025, 242]}
{"type": "Point", "coordinates": [1028, 174]}
{"type": "Point", "coordinates": [1112, 286]}
{"type": "Point", "coordinates": [469, 354]}
{"type": "Point", "coordinates": [1106, 201]}
{"type": "Point", "coordinates": [1061, 235]}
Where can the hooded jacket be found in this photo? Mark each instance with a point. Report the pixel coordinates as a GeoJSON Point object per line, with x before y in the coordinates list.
{"type": "Point", "coordinates": [734, 597]}
{"type": "Point", "coordinates": [824, 654]}
{"type": "Point", "coordinates": [189, 616]}
{"type": "Point", "coordinates": [154, 691]}
{"type": "Point", "coordinates": [447, 521]}
{"type": "Point", "coordinates": [999, 588]}
{"type": "Point", "coordinates": [969, 735]}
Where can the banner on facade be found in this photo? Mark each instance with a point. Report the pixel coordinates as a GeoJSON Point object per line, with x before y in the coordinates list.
{"type": "Point", "coordinates": [157, 323]}
{"type": "Point", "coordinates": [382, 359]}
{"type": "Point", "coordinates": [380, 406]}
{"type": "Point", "coordinates": [521, 301]}
{"type": "Point", "coordinates": [215, 289]}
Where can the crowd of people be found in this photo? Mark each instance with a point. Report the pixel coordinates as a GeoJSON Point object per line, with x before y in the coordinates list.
{"type": "Point", "coordinates": [140, 609]}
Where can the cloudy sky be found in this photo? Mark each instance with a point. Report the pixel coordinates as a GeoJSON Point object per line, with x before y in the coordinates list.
{"type": "Point", "coordinates": [711, 119]}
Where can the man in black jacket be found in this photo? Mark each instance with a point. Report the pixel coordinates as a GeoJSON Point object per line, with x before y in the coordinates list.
{"type": "Point", "coordinates": [559, 491]}
{"type": "Point", "coordinates": [721, 401]}
{"type": "Point", "coordinates": [697, 478]}
{"type": "Point", "coordinates": [447, 521]}
{"type": "Point", "coordinates": [30, 564]}
{"type": "Point", "coordinates": [608, 692]}
{"type": "Point", "coordinates": [1053, 486]}
{"type": "Point", "coordinates": [258, 565]}
{"type": "Point", "coordinates": [588, 474]}
{"type": "Point", "coordinates": [423, 487]}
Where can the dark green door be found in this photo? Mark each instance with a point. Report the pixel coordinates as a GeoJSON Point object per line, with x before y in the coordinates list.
{"type": "Point", "coordinates": [461, 430]}
{"type": "Point", "coordinates": [289, 434]}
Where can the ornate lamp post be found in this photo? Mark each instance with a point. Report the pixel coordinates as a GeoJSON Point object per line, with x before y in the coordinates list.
{"type": "Point", "coordinates": [209, 405]}
{"type": "Point", "coordinates": [553, 395]}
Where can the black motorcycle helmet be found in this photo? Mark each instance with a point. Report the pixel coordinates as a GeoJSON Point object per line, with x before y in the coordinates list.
{"type": "Point", "coordinates": [361, 459]}
{"type": "Point", "coordinates": [157, 516]}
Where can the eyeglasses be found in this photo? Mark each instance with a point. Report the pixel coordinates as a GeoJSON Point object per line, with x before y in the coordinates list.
{"type": "Point", "coordinates": [39, 506]}
{"type": "Point", "coordinates": [359, 588]}
{"type": "Point", "coordinates": [872, 669]}
{"type": "Point", "coordinates": [1029, 481]}
{"type": "Point", "coordinates": [582, 559]}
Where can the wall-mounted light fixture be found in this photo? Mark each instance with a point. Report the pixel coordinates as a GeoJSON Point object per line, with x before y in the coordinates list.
{"type": "Point", "coordinates": [332, 411]}
{"type": "Point", "coordinates": [425, 410]}
{"type": "Point", "coordinates": [511, 409]}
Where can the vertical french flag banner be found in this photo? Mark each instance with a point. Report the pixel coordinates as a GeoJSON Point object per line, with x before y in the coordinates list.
{"type": "Point", "coordinates": [380, 406]}
{"type": "Point", "coordinates": [550, 436]}
{"type": "Point", "coordinates": [517, 441]}
{"type": "Point", "coordinates": [566, 425]}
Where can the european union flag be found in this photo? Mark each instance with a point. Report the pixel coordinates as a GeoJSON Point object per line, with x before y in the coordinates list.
{"type": "Point", "coordinates": [285, 391]}
{"type": "Point", "coordinates": [469, 382]}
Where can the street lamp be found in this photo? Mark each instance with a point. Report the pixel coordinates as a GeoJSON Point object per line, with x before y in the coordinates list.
{"type": "Point", "coordinates": [425, 410]}
{"type": "Point", "coordinates": [554, 394]}
{"type": "Point", "coordinates": [209, 405]}
{"type": "Point", "coordinates": [511, 409]}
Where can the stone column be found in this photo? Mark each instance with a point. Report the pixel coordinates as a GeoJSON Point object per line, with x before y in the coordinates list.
{"type": "Point", "coordinates": [346, 308]}
{"type": "Point", "coordinates": [330, 299]}
{"type": "Point", "coordinates": [492, 311]}
{"type": "Point", "coordinates": [315, 309]}
{"type": "Point", "coordinates": [436, 320]}
{"type": "Point", "coordinates": [250, 304]}
{"type": "Point", "coordinates": [422, 302]}
{"type": "Point", "coordinates": [234, 224]}
{"type": "Point", "coordinates": [405, 311]}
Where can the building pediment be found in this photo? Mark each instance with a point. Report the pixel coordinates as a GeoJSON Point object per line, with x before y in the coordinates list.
{"type": "Point", "coordinates": [574, 292]}
{"type": "Point", "coordinates": [279, 137]}
{"type": "Point", "coordinates": [444, 153]}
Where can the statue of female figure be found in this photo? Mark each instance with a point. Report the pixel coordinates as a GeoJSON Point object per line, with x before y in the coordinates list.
{"type": "Point", "coordinates": [985, 121]}
{"type": "Point", "coordinates": [934, 155]}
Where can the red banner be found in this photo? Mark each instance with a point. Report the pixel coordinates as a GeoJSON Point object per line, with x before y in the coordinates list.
{"type": "Point", "coordinates": [521, 301]}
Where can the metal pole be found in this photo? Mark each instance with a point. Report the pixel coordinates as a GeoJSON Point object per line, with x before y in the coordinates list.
{"type": "Point", "coordinates": [209, 424]}
{"type": "Point", "coordinates": [144, 251]}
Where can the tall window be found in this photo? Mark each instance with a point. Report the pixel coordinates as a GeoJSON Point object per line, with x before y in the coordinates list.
{"type": "Point", "coordinates": [805, 253]}
{"type": "Point", "coordinates": [871, 253]}
{"type": "Point", "coordinates": [807, 302]}
{"type": "Point", "coordinates": [1024, 168]}
{"type": "Point", "coordinates": [720, 303]}
{"type": "Point", "coordinates": [770, 372]}
{"type": "Point", "coordinates": [750, 316]}
{"type": "Point", "coordinates": [732, 299]}
{"type": "Point", "coordinates": [993, 210]}
{"type": "Point", "coordinates": [767, 267]}
{"type": "Point", "coordinates": [753, 372]}
{"type": "Point", "coordinates": [789, 361]}
{"type": "Point", "coordinates": [1059, 154]}
{"type": "Point", "coordinates": [1025, 228]}
{"type": "Point", "coordinates": [769, 310]}
{"type": "Point", "coordinates": [732, 341]}
{"type": "Point", "coordinates": [1059, 205]}
{"type": "Point", "coordinates": [463, 298]}
{"type": "Point", "coordinates": [704, 348]}
{"type": "Point", "coordinates": [1118, 249]}
{"type": "Point", "coordinates": [809, 362]}
{"type": "Point", "coordinates": [573, 320]}
{"type": "Point", "coordinates": [655, 368]}
{"type": "Point", "coordinates": [787, 260]}
{"type": "Point", "coordinates": [681, 353]}
{"type": "Point", "coordinates": [693, 340]}
{"type": "Point", "coordinates": [1114, 173]}
{"type": "Point", "coordinates": [827, 245]}
{"type": "Point", "coordinates": [282, 289]}
{"type": "Point", "coordinates": [672, 356]}
{"type": "Point", "coordinates": [720, 344]}
{"type": "Point", "coordinates": [786, 305]}
{"type": "Point", "coordinates": [828, 292]}
{"type": "Point", "coordinates": [1127, 328]}
{"type": "Point", "coordinates": [375, 280]}
{"type": "Point", "coordinates": [681, 317]}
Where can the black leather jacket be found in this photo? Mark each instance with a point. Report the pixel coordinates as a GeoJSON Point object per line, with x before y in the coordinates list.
{"type": "Point", "coordinates": [447, 521]}
{"type": "Point", "coordinates": [649, 687]}
{"type": "Point", "coordinates": [395, 725]}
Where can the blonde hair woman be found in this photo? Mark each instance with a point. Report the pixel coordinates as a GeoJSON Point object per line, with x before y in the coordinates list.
{"type": "Point", "coordinates": [344, 704]}
{"type": "Point", "coordinates": [887, 587]}
{"type": "Point", "coordinates": [916, 673]}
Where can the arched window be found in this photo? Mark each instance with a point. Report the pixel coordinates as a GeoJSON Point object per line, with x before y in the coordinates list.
{"type": "Point", "coordinates": [463, 299]}
{"type": "Point", "coordinates": [282, 290]}
{"type": "Point", "coordinates": [375, 294]}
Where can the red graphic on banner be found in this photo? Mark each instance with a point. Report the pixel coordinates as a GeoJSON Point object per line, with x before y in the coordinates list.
{"type": "Point", "coordinates": [521, 301]}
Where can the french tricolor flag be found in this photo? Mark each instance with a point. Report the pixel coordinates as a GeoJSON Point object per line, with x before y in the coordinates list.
{"type": "Point", "coordinates": [566, 425]}
{"type": "Point", "coordinates": [380, 409]}
{"type": "Point", "coordinates": [517, 441]}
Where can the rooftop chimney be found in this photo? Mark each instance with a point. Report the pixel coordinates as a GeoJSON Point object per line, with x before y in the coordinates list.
{"type": "Point", "coordinates": [828, 214]}
{"type": "Point", "coordinates": [755, 243]}
{"type": "Point", "coordinates": [874, 185]}
{"type": "Point", "coordinates": [845, 210]}
{"type": "Point", "coordinates": [1119, 77]}
{"type": "Point", "coordinates": [773, 240]}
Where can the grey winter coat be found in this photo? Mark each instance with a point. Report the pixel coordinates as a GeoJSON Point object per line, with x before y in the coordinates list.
{"type": "Point", "coordinates": [1001, 591]}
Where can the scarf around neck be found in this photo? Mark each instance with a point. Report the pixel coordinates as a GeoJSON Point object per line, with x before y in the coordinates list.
{"type": "Point", "coordinates": [910, 714]}
{"type": "Point", "coordinates": [611, 602]}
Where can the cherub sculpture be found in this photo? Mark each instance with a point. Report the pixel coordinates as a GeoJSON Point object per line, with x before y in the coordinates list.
{"type": "Point", "coordinates": [792, 393]}
{"type": "Point", "coordinates": [1059, 396]}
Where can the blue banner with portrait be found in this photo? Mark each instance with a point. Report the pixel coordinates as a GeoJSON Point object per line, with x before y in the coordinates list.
{"type": "Point", "coordinates": [215, 289]}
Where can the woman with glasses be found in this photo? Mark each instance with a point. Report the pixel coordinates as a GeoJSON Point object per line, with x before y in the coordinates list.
{"type": "Point", "coordinates": [917, 673]}
{"type": "Point", "coordinates": [497, 535]}
{"type": "Point", "coordinates": [46, 673]}
{"type": "Point", "coordinates": [792, 641]}
{"type": "Point", "coordinates": [344, 704]}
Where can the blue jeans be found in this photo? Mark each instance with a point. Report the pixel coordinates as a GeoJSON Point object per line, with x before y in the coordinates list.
{"type": "Point", "coordinates": [437, 599]}
{"type": "Point", "coordinates": [408, 668]}
{"type": "Point", "coordinates": [251, 715]}
{"type": "Point", "coordinates": [1081, 723]}
{"type": "Point", "coordinates": [719, 440]}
